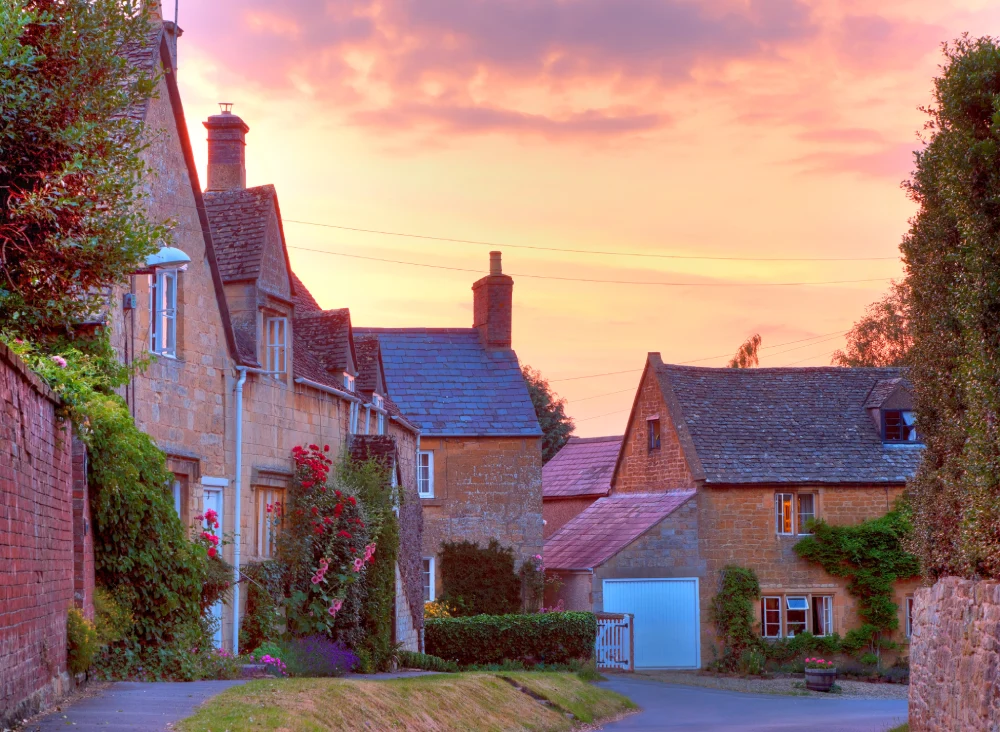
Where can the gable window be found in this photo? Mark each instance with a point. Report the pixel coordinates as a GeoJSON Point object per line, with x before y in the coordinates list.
{"type": "Point", "coordinates": [796, 621]}
{"type": "Point", "coordinates": [653, 427]}
{"type": "Point", "coordinates": [277, 345]}
{"type": "Point", "coordinates": [822, 615]}
{"type": "Point", "coordinates": [428, 574]}
{"type": "Point", "coordinates": [163, 313]}
{"type": "Point", "coordinates": [784, 520]}
{"type": "Point", "coordinates": [380, 413]}
{"type": "Point", "coordinates": [770, 615]}
{"type": "Point", "coordinates": [899, 425]}
{"type": "Point", "coordinates": [909, 617]}
{"type": "Point", "coordinates": [270, 502]}
{"type": "Point", "coordinates": [425, 474]}
{"type": "Point", "coordinates": [349, 383]}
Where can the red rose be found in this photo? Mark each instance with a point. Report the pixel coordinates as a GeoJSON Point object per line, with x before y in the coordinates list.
{"type": "Point", "coordinates": [352, 500]}
{"type": "Point", "coordinates": [315, 510]}
{"type": "Point", "coordinates": [326, 448]}
{"type": "Point", "coordinates": [212, 552]}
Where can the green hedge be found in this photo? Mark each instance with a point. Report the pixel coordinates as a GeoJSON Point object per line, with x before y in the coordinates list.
{"type": "Point", "coordinates": [486, 639]}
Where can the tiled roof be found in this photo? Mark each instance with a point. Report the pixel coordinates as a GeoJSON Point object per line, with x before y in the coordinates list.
{"type": "Point", "coordinates": [366, 348]}
{"type": "Point", "coordinates": [792, 425]}
{"type": "Point", "coordinates": [583, 467]}
{"type": "Point", "coordinates": [239, 221]}
{"type": "Point", "coordinates": [329, 338]}
{"type": "Point", "coordinates": [446, 383]}
{"type": "Point", "coordinates": [607, 526]}
{"type": "Point", "coordinates": [303, 299]}
{"type": "Point", "coordinates": [883, 389]}
{"type": "Point", "coordinates": [380, 447]}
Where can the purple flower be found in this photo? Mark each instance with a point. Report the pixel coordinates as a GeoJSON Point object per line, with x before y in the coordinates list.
{"type": "Point", "coordinates": [59, 361]}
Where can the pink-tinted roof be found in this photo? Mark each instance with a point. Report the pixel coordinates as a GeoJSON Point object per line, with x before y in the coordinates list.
{"type": "Point", "coordinates": [607, 526]}
{"type": "Point", "coordinates": [583, 467]}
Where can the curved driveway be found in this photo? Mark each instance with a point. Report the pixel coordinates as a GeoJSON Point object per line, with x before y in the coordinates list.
{"type": "Point", "coordinates": [689, 708]}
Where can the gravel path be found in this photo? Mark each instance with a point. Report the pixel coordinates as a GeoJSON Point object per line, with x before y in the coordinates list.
{"type": "Point", "coordinates": [790, 685]}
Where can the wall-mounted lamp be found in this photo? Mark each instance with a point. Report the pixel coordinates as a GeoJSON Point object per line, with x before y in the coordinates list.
{"type": "Point", "coordinates": [165, 258]}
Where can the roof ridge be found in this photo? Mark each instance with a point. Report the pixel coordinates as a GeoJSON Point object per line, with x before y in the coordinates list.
{"type": "Point", "coordinates": [787, 369]}
{"type": "Point", "coordinates": [608, 438]}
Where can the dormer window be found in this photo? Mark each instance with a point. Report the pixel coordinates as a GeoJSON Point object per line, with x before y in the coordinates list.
{"type": "Point", "coordinates": [899, 425]}
{"type": "Point", "coordinates": [349, 382]}
{"type": "Point", "coordinates": [277, 346]}
{"type": "Point", "coordinates": [379, 403]}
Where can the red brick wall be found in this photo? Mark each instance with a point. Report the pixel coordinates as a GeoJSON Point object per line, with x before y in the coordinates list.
{"type": "Point", "coordinates": [83, 538]}
{"type": "Point", "coordinates": [643, 470]}
{"type": "Point", "coordinates": [36, 542]}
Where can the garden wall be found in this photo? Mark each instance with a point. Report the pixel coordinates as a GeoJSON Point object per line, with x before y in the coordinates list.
{"type": "Point", "coordinates": [955, 657]}
{"type": "Point", "coordinates": [41, 575]}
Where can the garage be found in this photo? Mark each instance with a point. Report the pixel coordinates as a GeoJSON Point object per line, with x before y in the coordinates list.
{"type": "Point", "coordinates": [666, 626]}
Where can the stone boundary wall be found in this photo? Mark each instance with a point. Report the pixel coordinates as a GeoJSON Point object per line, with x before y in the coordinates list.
{"type": "Point", "coordinates": [41, 575]}
{"type": "Point", "coordinates": [955, 657]}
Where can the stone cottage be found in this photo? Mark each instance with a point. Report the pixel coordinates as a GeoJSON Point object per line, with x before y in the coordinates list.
{"type": "Point", "coordinates": [579, 474]}
{"type": "Point", "coordinates": [727, 466]}
{"type": "Point", "coordinates": [233, 386]}
{"type": "Point", "coordinates": [479, 461]}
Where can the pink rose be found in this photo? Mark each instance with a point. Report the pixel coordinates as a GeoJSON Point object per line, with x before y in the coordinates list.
{"type": "Point", "coordinates": [358, 564]}
{"type": "Point", "coordinates": [59, 361]}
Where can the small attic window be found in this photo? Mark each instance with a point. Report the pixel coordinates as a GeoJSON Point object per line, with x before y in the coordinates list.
{"type": "Point", "coordinates": [349, 382]}
{"type": "Point", "coordinates": [653, 426]}
{"type": "Point", "coordinates": [899, 426]}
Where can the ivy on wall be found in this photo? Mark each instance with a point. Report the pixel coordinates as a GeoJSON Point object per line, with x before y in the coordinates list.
{"type": "Point", "coordinates": [732, 612]}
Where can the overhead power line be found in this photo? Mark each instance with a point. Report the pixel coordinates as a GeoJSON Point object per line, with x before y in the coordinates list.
{"type": "Point", "coordinates": [590, 251]}
{"type": "Point", "coordinates": [595, 281]}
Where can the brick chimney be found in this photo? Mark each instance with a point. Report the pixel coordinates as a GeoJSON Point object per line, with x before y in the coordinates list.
{"type": "Point", "coordinates": [227, 166]}
{"type": "Point", "coordinates": [492, 306]}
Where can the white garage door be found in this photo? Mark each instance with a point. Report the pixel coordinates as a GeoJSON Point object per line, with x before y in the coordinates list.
{"type": "Point", "coordinates": [666, 619]}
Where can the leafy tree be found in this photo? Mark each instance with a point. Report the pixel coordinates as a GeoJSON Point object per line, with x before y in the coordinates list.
{"type": "Point", "coordinates": [71, 222]}
{"type": "Point", "coordinates": [746, 355]}
{"type": "Point", "coordinates": [551, 412]}
{"type": "Point", "coordinates": [953, 263]}
{"type": "Point", "coordinates": [882, 337]}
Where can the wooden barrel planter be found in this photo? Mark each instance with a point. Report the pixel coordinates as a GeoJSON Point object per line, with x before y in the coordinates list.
{"type": "Point", "coordinates": [820, 679]}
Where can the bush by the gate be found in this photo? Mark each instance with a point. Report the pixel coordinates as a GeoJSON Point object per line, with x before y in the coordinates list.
{"type": "Point", "coordinates": [488, 639]}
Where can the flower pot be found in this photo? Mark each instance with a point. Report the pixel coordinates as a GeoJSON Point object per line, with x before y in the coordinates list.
{"type": "Point", "coordinates": [820, 679]}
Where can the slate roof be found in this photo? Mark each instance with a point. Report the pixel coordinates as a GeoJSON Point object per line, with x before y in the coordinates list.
{"type": "Point", "coordinates": [783, 425]}
{"type": "Point", "coordinates": [303, 299]}
{"type": "Point", "coordinates": [883, 389]}
{"type": "Point", "coordinates": [239, 221]}
{"type": "Point", "coordinates": [583, 467]}
{"type": "Point", "coordinates": [607, 526]}
{"type": "Point", "coordinates": [447, 383]}
{"type": "Point", "coordinates": [367, 350]}
{"type": "Point", "coordinates": [329, 338]}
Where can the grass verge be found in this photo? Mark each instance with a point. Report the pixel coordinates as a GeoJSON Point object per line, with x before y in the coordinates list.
{"type": "Point", "coordinates": [475, 702]}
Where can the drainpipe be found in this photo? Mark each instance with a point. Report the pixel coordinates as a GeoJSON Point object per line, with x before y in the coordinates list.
{"type": "Point", "coordinates": [238, 483]}
{"type": "Point", "coordinates": [368, 417]}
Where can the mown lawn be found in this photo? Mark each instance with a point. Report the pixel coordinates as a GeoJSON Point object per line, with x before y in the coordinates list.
{"type": "Point", "coordinates": [473, 702]}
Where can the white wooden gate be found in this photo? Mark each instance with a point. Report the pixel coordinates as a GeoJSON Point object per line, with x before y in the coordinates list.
{"type": "Point", "coordinates": [615, 645]}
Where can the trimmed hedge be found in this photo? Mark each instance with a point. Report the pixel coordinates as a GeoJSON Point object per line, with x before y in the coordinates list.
{"type": "Point", "coordinates": [487, 639]}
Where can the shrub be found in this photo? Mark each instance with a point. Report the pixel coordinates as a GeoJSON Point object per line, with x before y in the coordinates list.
{"type": "Point", "coordinates": [81, 641]}
{"type": "Point", "coordinates": [479, 581]}
{"type": "Point", "coordinates": [259, 624]}
{"type": "Point", "coordinates": [732, 611]}
{"type": "Point", "coordinates": [112, 619]}
{"type": "Point", "coordinates": [437, 609]}
{"type": "Point", "coordinates": [269, 648]}
{"type": "Point", "coordinates": [426, 662]}
{"type": "Point", "coordinates": [784, 650]}
{"type": "Point", "coordinates": [752, 662]}
{"type": "Point", "coordinates": [869, 659]}
{"type": "Point", "coordinates": [488, 639]}
{"type": "Point", "coordinates": [316, 655]}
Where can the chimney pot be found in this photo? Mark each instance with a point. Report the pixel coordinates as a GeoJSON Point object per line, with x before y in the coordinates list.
{"type": "Point", "coordinates": [227, 168]}
{"type": "Point", "coordinates": [492, 306]}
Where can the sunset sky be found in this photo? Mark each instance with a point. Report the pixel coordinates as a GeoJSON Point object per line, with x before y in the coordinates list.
{"type": "Point", "coordinates": [722, 128]}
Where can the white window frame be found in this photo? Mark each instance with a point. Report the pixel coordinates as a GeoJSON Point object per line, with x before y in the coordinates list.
{"type": "Point", "coordinates": [800, 526]}
{"type": "Point", "coordinates": [908, 611]}
{"type": "Point", "coordinates": [779, 513]}
{"type": "Point", "coordinates": [763, 616]}
{"type": "Point", "coordinates": [266, 533]}
{"type": "Point", "coordinates": [348, 382]}
{"type": "Point", "coordinates": [824, 604]}
{"type": "Point", "coordinates": [163, 313]}
{"type": "Point", "coordinates": [427, 573]}
{"type": "Point", "coordinates": [379, 412]}
{"type": "Point", "coordinates": [276, 348]}
{"type": "Point", "coordinates": [789, 599]}
{"type": "Point", "coordinates": [425, 484]}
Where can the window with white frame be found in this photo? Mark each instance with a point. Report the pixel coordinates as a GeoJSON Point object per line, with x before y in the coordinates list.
{"type": "Point", "coordinates": [784, 517]}
{"type": "Point", "coordinates": [380, 412]}
{"type": "Point", "coordinates": [163, 313]}
{"type": "Point", "coordinates": [770, 617]}
{"type": "Point", "coordinates": [909, 617]}
{"type": "Point", "coordinates": [425, 474]}
{"type": "Point", "coordinates": [428, 573]}
{"type": "Point", "coordinates": [276, 340]}
{"type": "Point", "coordinates": [807, 510]}
{"type": "Point", "coordinates": [348, 382]}
{"type": "Point", "coordinates": [797, 617]}
{"type": "Point", "coordinates": [270, 505]}
{"type": "Point", "coordinates": [822, 615]}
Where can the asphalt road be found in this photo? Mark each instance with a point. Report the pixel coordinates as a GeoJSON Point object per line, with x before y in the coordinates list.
{"type": "Point", "coordinates": [689, 708]}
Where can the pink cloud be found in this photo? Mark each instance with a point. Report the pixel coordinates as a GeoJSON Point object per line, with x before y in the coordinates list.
{"type": "Point", "coordinates": [892, 161]}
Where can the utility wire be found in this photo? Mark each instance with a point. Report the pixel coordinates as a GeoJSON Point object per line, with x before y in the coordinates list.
{"type": "Point", "coordinates": [602, 415]}
{"type": "Point", "coordinates": [596, 281]}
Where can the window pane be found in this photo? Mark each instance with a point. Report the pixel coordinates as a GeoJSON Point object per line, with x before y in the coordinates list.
{"type": "Point", "coordinates": [798, 603]}
{"type": "Point", "coordinates": [893, 421]}
{"type": "Point", "coordinates": [822, 615]}
{"type": "Point", "coordinates": [783, 513]}
{"type": "Point", "coordinates": [909, 426]}
{"type": "Point", "coordinates": [654, 433]}
{"type": "Point", "coordinates": [796, 623]}
{"type": "Point", "coordinates": [770, 611]}
{"type": "Point", "coordinates": [807, 510]}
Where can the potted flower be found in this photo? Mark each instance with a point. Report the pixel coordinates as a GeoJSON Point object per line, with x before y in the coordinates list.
{"type": "Point", "coordinates": [820, 674]}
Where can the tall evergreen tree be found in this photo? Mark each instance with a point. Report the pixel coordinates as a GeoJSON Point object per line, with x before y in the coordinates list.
{"type": "Point", "coordinates": [952, 255]}
{"type": "Point", "coordinates": [551, 412]}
